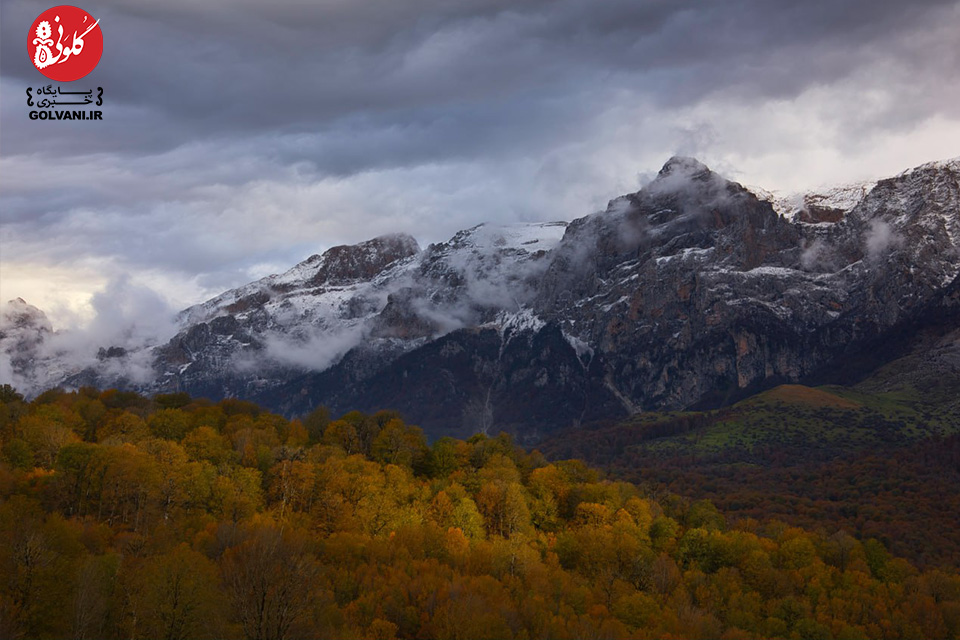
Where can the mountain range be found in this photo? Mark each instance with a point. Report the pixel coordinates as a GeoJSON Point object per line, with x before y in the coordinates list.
{"type": "Point", "coordinates": [693, 292]}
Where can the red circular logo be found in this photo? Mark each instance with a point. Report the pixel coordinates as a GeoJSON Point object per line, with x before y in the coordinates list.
{"type": "Point", "coordinates": [65, 43]}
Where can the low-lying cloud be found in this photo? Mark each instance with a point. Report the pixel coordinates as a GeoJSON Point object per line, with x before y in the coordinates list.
{"type": "Point", "coordinates": [314, 352]}
{"type": "Point", "coordinates": [880, 239]}
{"type": "Point", "coordinates": [128, 318]}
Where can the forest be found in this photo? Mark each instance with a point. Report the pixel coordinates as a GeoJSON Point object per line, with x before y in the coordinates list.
{"type": "Point", "coordinates": [881, 466]}
{"type": "Point", "coordinates": [124, 516]}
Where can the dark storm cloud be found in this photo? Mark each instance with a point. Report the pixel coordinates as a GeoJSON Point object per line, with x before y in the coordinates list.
{"type": "Point", "coordinates": [250, 132]}
{"type": "Point", "coordinates": [209, 69]}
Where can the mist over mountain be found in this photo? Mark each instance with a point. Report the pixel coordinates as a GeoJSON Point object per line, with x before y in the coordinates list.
{"type": "Point", "coordinates": [693, 291]}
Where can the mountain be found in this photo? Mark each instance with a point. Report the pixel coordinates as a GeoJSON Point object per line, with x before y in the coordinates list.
{"type": "Point", "coordinates": [23, 330]}
{"type": "Point", "coordinates": [692, 292]}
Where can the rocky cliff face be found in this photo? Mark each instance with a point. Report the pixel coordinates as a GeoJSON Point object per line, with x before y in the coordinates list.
{"type": "Point", "coordinates": [695, 290]}
{"type": "Point", "coordinates": [692, 291]}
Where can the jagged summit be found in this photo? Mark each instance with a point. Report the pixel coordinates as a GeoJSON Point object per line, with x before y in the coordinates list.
{"type": "Point", "coordinates": [400, 242]}
{"type": "Point", "coordinates": [685, 166]}
{"type": "Point", "coordinates": [19, 314]}
{"type": "Point", "coordinates": [23, 331]}
{"type": "Point", "coordinates": [688, 210]}
{"type": "Point", "coordinates": [345, 263]}
{"type": "Point", "coordinates": [951, 164]}
{"type": "Point", "coordinates": [350, 263]}
{"type": "Point", "coordinates": [683, 186]}
{"type": "Point", "coordinates": [687, 186]}
{"type": "Point", "coordinates": [691, 291]}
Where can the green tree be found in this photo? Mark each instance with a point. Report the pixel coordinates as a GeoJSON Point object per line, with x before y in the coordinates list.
{"type": "Point", "coordinates": [399, 444]}
{"type": "Point", "coordinates": [170, 424]}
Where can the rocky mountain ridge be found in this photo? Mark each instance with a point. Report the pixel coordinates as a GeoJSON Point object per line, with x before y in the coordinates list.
{"type": "Point", "coordinates": [692, 291]}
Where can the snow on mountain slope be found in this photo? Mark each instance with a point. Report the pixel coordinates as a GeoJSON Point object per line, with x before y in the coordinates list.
{"type": "Point", "coordinates": [823, 205]}
{"type": "Point", "coordinates": [23, 329]}
{"type": "Point", "coordinates": [692, 291]}
{"type": "Point", "coordinates": [349, 284]}
{"type": "Point", "coordinates": [383, 296]}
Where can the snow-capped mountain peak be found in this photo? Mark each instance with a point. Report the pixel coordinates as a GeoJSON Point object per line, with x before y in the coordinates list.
{"type": "Point", "coordinates": [690, 291]}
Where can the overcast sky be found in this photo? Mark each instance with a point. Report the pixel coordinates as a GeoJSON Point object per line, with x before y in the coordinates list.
{"type": "Point", "coordinates": [240, 137]}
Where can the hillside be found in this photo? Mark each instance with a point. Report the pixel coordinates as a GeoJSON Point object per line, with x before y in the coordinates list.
{"type": "Point", "coordinates": [879, 459]}
{"type": "Point", "coordinates": [171, 517]}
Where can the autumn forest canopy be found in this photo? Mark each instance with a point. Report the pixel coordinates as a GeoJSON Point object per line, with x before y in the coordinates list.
{"type": "Point", "coordinates": [124, 516]}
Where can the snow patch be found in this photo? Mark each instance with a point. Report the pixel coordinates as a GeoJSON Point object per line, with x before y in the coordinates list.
{"type": "Point", "coordinates": [517, 322]}
{"type": "Point", "coordinates": [582, 349]}
{"type": "Point", "coordinates": [773, 272]}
